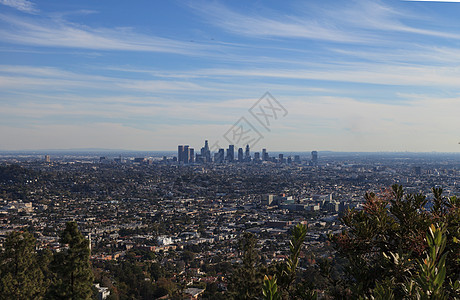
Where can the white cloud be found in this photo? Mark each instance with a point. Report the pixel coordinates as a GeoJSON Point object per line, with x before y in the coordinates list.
{"type": "Point", "coordinates": [432, 1]}
{"type": "Point", "coordinates": [21, 5]}
{"type": "Point", "coordinates": [59, 33]}
{"type": "Point", "coordinates": [284, 26]}
{"type": "Point", "coordinates": [356, 72]}
{"type": "Point", "coordinates": [359, 21]}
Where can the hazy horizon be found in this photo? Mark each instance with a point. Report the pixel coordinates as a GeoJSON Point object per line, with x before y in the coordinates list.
{"type": "Point", "coordinates": [346, 76]}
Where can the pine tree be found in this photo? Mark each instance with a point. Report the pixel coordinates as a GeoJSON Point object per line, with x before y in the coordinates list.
{"type": "Point", "coordinates": [247, 280]}
{"type": "Point", "coordinates": [21, 276]}
{"type": "Point", "coordinates": [72, 269]}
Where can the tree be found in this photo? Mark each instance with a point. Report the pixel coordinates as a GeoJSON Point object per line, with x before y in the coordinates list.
{"type": "Point", "coordinates": [428, 283]}
{"type": "Point", "coordinates": [21, 276]}
{"type": "Point", "coordinates": [270, 288]}
{"type": "Point", "coordinates": [386, 244]}
{"type": "Point", "coordinates": [71, 267]}
{"type": "Point", "coordinates": [285, 284]}
{"type": "Point", "coordinates": [246, 281]}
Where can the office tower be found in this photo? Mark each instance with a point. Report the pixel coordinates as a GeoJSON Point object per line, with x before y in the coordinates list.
{"type": "Point", "coordinates": [247, 154]}
{"type": "Point", "coordinates": [219, 156]}
{"type": "Point", "coordinates": [186, 154]}
{"type": "Point", "coordinates": [268, 199]}
{"type": "Point", "coordinates": [281, 158]}
{"type": "Point", "coordinates": [205, 152]}
{"type": "Point", "coordinates": [297, 159]}
{"type": "Point", "coordinates": [230, 153]}
{"type": "Point", "coordinates": [47, 158]}
{"type": "Point", "coordinates": [314, 157]}
{"type": "Point", "coordinates": [257, 156]}
{"type": "Point", "coordinates": [264, 154]}
{"type": "Point", "coordinates": [240, 155]}
{"type": "Point", "coordinates": [191, 155]}
{"type": "Point", "coordinates": [289, 160]}
{"type": "Point", "coordinates": [180, 153]}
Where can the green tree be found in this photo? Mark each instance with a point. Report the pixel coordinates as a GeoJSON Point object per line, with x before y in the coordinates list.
{"type": "Point", "coordinates": [246, 281]}
{"type": "Point", "coordinates": [385, 241]}
{"type": "Point", "coordinates": [21, 276]}
{"type": "Point", "coordinates": [270, 288]}
{"type": "Point", "coordinates": [431, 275]}
{"type": "Point", "coordinates": [285, 284]}
{"type": "Point", "coordinates": [71, 267]}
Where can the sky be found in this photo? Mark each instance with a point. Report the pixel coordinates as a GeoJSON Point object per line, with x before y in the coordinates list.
{"type": "Point", "coordinates": [353, 75]}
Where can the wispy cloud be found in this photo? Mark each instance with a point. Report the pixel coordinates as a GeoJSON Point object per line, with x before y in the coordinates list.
{"type": "Point", "coordinates": [56, 32]}
{"type": "Point", "coordinates": [21, 5]}
{"type": "Point", "coordinates": [24, 78]}
{"type": "Point", "coordinates": [355, 22]}
{"type": "Point", "coordinates": [281, 26]}
{"type": "Point", "coordinates": [380, 17]}
{"type": "Point", "coordinates": [432, 0]}
{"type": "Point", "coordinates": [384, 73]}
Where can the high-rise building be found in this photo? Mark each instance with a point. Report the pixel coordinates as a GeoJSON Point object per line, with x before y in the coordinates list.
{"type": "Point", "coordinates": [314, 157]}
{"type": "Point", "coordinates": [281, 158]}
{"type": "Point", "coordinates": [205, 152]}
{"type": "Point", "coordinates": [264, 154]}
{"type": "Point", "coordinates": [186, 154]}
{"type": "Point", "coordinates": [256, 156]}
{"type": "Point", "coordinates": [240, 155]}
{"type": "Point", "coordinates": [191, 155]}
{"type": "Point", "coordinates": [289, 160]}
{"type": "Point", "coordinates": [247, 154]}
{"type": "Point", "coordinates": [199, 159]}
{"type": "Point", "coordinates": [180, 153]}
{"type": "Point", "coordinates": [47, 158]}
{"type": "Point", "coordinates": [230, 153]}
{"type": "Point", "coordinates": [268, 199]}
{"type": "Point", "coordinates": [297, 159]}
{"type": "Point", "coordinates": [219, 156]}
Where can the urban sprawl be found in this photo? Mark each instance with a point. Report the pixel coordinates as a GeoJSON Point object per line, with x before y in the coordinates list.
{"type": "Point", "coordinates": [185, 213]}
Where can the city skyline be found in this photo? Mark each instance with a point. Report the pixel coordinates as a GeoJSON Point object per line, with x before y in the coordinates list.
{"type": "Point", "coordinates": [186, 155]}
{"type": "Point", "coordinates": [350, 75]}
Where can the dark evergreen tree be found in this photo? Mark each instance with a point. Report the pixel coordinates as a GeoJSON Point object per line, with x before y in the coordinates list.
{"type": "Point", "coordinates": [21, 276]}
{"type": "Point", "coordinates": [246, 280]}
{"type": "Point", "coordinates": [71, 267]}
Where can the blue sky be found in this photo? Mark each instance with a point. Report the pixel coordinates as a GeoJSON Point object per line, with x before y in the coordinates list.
{"type": "Point", "coordinates": [149, 75]}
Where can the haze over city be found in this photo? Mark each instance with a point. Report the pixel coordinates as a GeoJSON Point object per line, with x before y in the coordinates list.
{"type": "Point", "coordinates": [149, 75]}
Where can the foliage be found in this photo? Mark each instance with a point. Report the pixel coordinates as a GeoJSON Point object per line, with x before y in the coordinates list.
{"type": "Point", "coordinates": [429, 280]}
{"type": "Point", "coordinates": [73, 275]}
{"type": "Point", "coordinates": [286, 284]}
{"type": "Point", "coordinates": [270, 288]}
{"type": "Point", "coordinates": [246, 281]}
{"type": "Point", "coordinates": [386, 242]}
{"type": "Point", "coordinates": [21, 276]}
